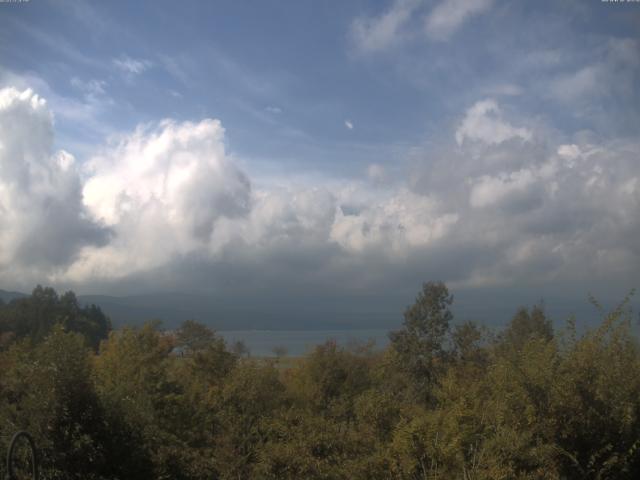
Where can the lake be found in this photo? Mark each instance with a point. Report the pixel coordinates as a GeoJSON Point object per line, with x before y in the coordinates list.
{"type": "Point", "coordinates": [298, 342]}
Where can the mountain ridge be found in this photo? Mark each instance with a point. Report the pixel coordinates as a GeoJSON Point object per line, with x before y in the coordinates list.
{"type": "Point", "coordinates": [312, 313]}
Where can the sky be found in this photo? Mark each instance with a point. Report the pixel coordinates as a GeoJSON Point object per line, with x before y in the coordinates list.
{"type": "Point", "coordinates": [330, 156]}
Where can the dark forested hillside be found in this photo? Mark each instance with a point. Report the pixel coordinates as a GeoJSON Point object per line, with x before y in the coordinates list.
{"type": "Point", "coordinates": [6, 296]}
{"type": "Point", "coordinates": [34, 317]}
{"type": "Point", "coordinates": [444, 400]}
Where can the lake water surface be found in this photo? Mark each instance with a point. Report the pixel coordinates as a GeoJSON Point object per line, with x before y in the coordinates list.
{"type": "Point", "coordinates": [298, 342]}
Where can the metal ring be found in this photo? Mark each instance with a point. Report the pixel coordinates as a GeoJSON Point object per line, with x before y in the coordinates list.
{"type": "Point", "coordinates": [34, 460]}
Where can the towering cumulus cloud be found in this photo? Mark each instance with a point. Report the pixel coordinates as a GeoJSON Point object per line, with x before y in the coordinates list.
{"type": "Point", "coordinates": [43, 222]}
{"type": "Point", "coordinates": [171, 191]}
{"type": "Point", "coordinates": [162, 190]}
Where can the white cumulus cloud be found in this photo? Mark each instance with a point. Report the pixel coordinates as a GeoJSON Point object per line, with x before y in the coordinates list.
{"type": "Point", "coordinates": [167, 197]}
{"type": "Point", "coordinates": [171, 190]}
{"type": "Point", "coordinates": [372, 34]}
{"type": "Point", "coordinates": [43, 222]}
{"type": "Point", "coordinates": [161, 190]}
{"type": "Point", "coordinates": [449, 15]}
{"type": "Point", "coordinates": [376, 172]}
{"type": "Point", "coordinates": [483, 122]}
{"type": "Point", "coordinates": [131, 66]}
{"type": "Point", "coordinates": [393, 225]}
{"type": "Point", "coordinates": [489, 190]}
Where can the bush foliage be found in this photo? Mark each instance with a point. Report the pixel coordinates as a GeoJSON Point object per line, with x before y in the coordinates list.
{"type": "Point", "coordinates": [443, 401]}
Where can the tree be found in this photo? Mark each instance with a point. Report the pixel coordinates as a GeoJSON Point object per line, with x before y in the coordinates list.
{"type": "Point", "coordinates": [419, 344]}
{"type": "Point", "coordinates": [251, 393]}
{"type": "Point", "coordinates": [47, 390]}
{"type": "Point", "coordinates": [134, 387]}
{"type": "Point", "coordinates": [526, 325]}
{"type": "Point", "coordinates": [329, 379]}
{"type": "Point", "coordinates": [35, 316]}
{"type": "Point", "coordinates": [193, 336]}
{"type": "Point", "coordinates": [466, 338]}
{"type": "Point", "coordinates": [240, 349]}
{"type": "Point", "coordinates": [597, 408]}
{"type": "Point", "coordinates": [280, 351]}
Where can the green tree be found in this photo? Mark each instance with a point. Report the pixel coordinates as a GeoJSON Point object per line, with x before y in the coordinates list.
{"type": "Point", "coordinates": [329, 379]}
{"type": "Point", "coordinates": [419, 345]}
{"type": "Point", "coordinates": [251, 393]}
{"type": "Point", "coordinates": [193, 336]}
{"type": "Point", "coordinates": [133, 384]}
{"type": "Point", "coordinates": [467, 339]}
{"type": "Point", "coordinates": [597, 407]}
{"type": "Point", "coordinates": [34, 317]}
{"type": "Point", "coordinates": [48, 391]}
{"type": "Point", "coordinates": [525, 325]}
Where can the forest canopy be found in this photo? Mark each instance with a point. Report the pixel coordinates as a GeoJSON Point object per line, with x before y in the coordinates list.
{"type": "Point", "coordinates": [444, 400]}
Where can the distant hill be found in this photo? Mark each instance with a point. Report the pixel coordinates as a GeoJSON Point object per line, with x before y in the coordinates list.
{"type": "Point", "coordinates": [314, 313]}
{"type": "Point", "coordinates": [233, 314]}
{"type": "Point", "coordinates": [7, 296]}
{"type": "Point", "coordinates": [294, 312]}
